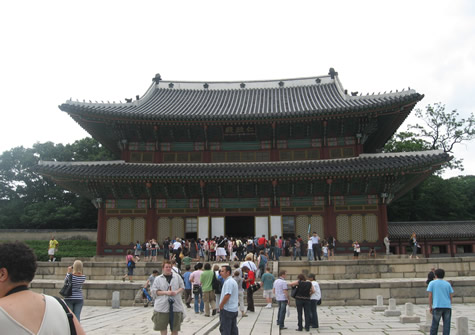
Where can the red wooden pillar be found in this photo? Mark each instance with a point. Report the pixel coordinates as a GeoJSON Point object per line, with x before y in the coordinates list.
{"type": "Point", "coordinates": [101, 230]}
{"type": "Point", "coordinates": [329, 222]}
{"type": "Point", "coordinates": [151, 224]}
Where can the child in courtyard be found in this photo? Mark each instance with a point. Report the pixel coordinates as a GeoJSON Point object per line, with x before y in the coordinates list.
{"type": "Point", "coordinates": [268, 284]}
{"type": "Point", "coordinates": [325, 251]}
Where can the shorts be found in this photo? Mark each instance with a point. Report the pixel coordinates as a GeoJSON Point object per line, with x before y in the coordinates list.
{"type": "Point", "coordinates": [268, 294]}
{"type": "Point", "coordinates": [51, 251]}
{"type": "Point", "coordinates": [221, 252]}
{"type": "Point", "coordinates": [356, 253]}
{"type": "Point", "coordinates": [130, 271]}
{"type": "Point", "coordinates": [154, 252]}
{"type": "Point", "coordinates": [161, 321]}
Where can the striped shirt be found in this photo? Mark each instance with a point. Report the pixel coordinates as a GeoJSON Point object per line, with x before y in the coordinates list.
{"type": "Point", "coordinates": [77, 286]}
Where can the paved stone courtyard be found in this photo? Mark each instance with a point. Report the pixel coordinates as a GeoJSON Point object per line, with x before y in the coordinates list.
{"type": "Point", "coordinates": [333, 320]}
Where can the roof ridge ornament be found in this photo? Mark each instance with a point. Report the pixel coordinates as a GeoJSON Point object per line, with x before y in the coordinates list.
{"type": "Point", "coordinates": [332, 73]}
{"type": "Point", "coordinates": [206, 85]}
{"type": "Point", "coordinates": [171, 85]}
{"type": "Point", "coordinates": [157, 78]}
{"type": "Point", "coordinates": [243, 85]}
{"type": "Point", "coordinates": [318, 80]}
{"type": "Point", "coordinates": [281, 83]}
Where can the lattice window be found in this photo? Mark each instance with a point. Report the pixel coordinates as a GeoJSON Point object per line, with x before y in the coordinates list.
{"type": "Point", "coordinates": [191, 225]}
{"type": "Point", "coordinates": [288, 224]}
{"type": "Point", "coordinates": [112, 231]}
{"type": "Point", "coordinates": [343, 228]}
{"type": "Point", "coordinates": [266, 144]}
{"type": "Point", "coordinates": [357, 231]}
{"type": "Point", "coordinates": [161, 203]}
{"type": "Point", "coordinates": [264, 202]}
{"type": "Point", "coordinates": [302, 226]}
{"type": "Point", "coordinates": [316, 222]}
{"type": "Point", "coordinates": [371, 222]}
{"type": "Point", "coordinates": [163, 229]}
{"type": "Point", "coordinates": [139, 229]}
{"type": "Point", "coordinates": [125, 235]}
{"type": "Point", "coordinates": [178, 227]}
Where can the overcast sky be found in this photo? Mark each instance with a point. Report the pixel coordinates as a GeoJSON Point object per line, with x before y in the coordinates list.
{"type": "Point", "coordinates": [111, 50]}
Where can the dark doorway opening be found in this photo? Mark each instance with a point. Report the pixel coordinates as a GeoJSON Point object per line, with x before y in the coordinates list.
{"type": "Point", "coordinates": [239, 226]}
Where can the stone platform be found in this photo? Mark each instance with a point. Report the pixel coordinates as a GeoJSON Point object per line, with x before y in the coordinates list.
{"type": "Point", "coordinates": [343, 282]}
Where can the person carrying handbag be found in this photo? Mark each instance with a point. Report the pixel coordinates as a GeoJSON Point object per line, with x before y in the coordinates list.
{"type": "Point", "coordinates": [302, 300]}
{"type": "Point", "coordinates": [76, 300]}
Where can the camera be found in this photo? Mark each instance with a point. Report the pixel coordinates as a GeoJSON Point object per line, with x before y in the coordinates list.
{"type": "Point", "coordinates": [171, 300]}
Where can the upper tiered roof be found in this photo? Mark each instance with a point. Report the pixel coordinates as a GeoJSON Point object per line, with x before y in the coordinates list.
{"type": "Point", "coordinates": [248, 100]}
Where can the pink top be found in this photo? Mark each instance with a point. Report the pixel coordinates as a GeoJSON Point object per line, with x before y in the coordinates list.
{"type": "Point", "coordinates": [129, 258]}
{"type": "Point", "coordinates": [195, 277]}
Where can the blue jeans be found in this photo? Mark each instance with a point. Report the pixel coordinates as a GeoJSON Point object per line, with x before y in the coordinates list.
{"type": "Point", "coordinates": [297, 253]}
{"type": "Point", "coordinates": [310, 254]}
{"type": "Point", "coordinates": [437, 313]}
{"type": "Point", "coordinates": [75, 305]}
{"type": "Point", "coordinates": [281, 313]}
{"type": "Point", "coordinates": [199, 297]}
{"type": "Point", "coordinates": [313, 314]}
{"type": "Point", "coordinates": [228, 322]}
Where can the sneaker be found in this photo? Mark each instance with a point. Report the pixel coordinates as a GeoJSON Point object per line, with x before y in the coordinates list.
{"type": "Point", "coordinates": [214, 312]}
{"type": "Point", "coordinates": [268, 306]}
{"type": "Point", "coordinates": [55, 259]}
{"type": "Point", "coordinates": [123, 279]}
{"type": "Point", "coordinates": [244, 315]}
{"type": "Point", "coordinates": [49, 260]}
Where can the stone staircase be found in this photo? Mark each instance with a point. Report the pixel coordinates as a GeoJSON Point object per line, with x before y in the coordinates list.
{"type": "Point", "coordinates": [343, 281]}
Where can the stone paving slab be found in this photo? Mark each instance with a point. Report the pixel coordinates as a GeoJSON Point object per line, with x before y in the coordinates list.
{"type": "Point", "coordinates": [341, 320]}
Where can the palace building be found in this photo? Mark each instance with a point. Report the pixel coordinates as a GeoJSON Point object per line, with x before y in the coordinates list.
{"type": "Point", "coordinates": [275, 157]}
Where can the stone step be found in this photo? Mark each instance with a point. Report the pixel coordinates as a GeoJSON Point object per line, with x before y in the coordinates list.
{"type": "Point", "coordinates": [334, 292]}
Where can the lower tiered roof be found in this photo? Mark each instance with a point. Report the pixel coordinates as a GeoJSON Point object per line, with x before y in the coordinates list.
{"type": "Point", "coordinates": [404, 169]}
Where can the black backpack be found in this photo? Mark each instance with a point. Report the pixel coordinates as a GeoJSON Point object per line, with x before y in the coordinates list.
{"type": "Point", "coordinates": [217, 285]}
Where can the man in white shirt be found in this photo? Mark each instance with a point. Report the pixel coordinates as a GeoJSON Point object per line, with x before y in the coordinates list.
{"type": "Point", "coordinates": [166, 288]}
{"type": "Point", "coordinates": [228, 304]}
{"type": "Point", "coordinates": [314, 298]}
{"type": "Point", "coordinates": [281, 293]}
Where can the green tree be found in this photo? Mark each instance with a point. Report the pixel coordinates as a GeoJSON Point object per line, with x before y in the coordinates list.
{"type": "Point", "coordinates": [27, 200]}
{"type": "Point", "coordinates": [437, 130]}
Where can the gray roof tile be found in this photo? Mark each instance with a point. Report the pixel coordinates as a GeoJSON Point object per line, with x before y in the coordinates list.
{"type": "Point", "coordinates": [301, 97]}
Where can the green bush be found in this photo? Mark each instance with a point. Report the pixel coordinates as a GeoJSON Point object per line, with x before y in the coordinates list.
{"type": "Point", "coordinates": [67, 248]}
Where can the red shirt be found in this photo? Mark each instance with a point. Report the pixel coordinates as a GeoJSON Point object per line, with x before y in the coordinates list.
{"type": "Point", "coordinates": [261, 241]}
{"type": "Point", "coordinates": [252, 277]}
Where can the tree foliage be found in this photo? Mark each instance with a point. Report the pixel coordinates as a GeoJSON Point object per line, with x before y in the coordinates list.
{"type": "Point", "coordinates": [437, 199]}
{"type": "Point", "coordinates": [437, 130]}
{"type": "Point", "coordinates": [27, 200]}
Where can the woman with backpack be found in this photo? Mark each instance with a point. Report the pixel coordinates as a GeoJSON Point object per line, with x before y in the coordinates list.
{"type": "Point", "coordinates": [262, 261]}
{"type": "Point", "coordinates": [129, 259]}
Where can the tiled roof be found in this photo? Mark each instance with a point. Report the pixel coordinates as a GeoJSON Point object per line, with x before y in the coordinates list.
{"type": "Point", "coordinates": [432, 229]}
{"type": "Point", "coordinates": [367, 164]}
{"type": "Point", "coordinates": [303, 97]}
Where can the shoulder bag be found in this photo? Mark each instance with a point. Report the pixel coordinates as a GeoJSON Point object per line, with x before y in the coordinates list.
{"type": "Point", "coordinates": [67, 289]}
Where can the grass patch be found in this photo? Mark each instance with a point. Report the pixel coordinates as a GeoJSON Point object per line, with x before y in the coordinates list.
{"type": "Point", "coordinates": [67, 248]}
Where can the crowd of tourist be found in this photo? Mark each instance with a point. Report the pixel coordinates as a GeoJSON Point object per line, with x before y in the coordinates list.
{"type": "Point", "coordinates": [216, 289]}
{"type": "Point", "coordinates": [224, 248]}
